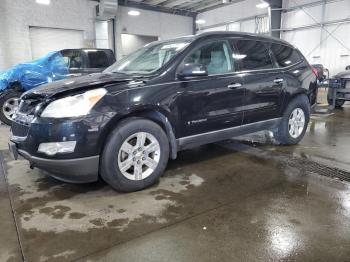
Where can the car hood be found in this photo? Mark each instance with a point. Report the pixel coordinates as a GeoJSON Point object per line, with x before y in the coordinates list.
{"type": "Point", "coordinates": [77, 84]}
{"type": "Point", "coordinates": [344, 74]}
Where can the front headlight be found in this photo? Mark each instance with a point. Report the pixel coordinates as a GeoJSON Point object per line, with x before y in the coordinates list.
{"type": "Point", "coordinates": [74, 106]}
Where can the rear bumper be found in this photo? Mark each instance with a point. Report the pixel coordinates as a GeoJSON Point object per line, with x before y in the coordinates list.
{"type": "Point", "coordinates": [78, 170]}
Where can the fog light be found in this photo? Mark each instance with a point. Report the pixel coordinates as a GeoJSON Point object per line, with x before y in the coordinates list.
{"type": "Point", "coordinates": [52, 149]}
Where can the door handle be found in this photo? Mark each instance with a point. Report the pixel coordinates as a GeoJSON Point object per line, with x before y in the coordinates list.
{"type": "Point", "coordinates": [278, 80]}
{"type": "Point", "coordinates": [234, 85]}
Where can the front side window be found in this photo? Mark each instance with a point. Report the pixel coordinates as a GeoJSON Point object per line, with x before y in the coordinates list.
{"type": "Point", "coordinates": [285, 55]}
{"type": "Point", "coordinates": [252, 55]}
{"type": "Point", "coordinates": [216, 57]}
{"type": "Point", "coordinates": [149, 58]}
{"type": "Point", "coordinates": [73, 59]}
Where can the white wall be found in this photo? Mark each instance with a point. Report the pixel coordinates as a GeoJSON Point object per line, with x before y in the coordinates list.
{"type": "Point", "coordinates": [233, 12]}
{"type": "Point", "coordinates": [16, 16]}
{"type": "Point", "coordinates": [150, 23]}
{"type": "Point", "coordinates": [131, 43]}
{"type": "Point", "coordinates": [317, 44]}
{"type": "Point", "coordinates": [163, 25]}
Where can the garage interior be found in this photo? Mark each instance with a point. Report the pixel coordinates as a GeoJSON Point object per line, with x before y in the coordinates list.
{"type": "Point", "coordinates": [243, 199]}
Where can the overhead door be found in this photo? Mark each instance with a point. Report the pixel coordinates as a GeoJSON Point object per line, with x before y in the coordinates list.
{"type": "Point", "coordinates": [44, 40]}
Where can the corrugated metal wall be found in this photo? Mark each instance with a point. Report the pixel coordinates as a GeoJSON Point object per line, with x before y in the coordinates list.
{"type": "Point", "coordinates": [329, 46]}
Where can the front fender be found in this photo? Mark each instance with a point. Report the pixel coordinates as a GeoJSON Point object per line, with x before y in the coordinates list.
{"type": "Point", "coordinates": [32, 79]}
{"type": "Point", "coordinates": [4, 85]}
{"type": "Point", "coordinates": [155, 114]}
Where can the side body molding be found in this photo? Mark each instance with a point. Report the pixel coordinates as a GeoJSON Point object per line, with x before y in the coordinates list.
{"type": "Point", "coordinates": [219, 135]}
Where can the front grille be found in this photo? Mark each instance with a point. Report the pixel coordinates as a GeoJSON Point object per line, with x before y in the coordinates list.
{"type": "Point", "coordinates": [19, 130]}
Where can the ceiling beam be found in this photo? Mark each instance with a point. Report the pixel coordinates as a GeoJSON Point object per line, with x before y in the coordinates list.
{"type": "Point", "coordinates": [192, 5]}
{"type": "Point", "coordinates": [155, 2]}
{"type": "Point", "coordinates": [214, 6]}
{"type": "Point", "coordinates": [172, 3]}
{"type": "Point", "coordinates": [211, 4]}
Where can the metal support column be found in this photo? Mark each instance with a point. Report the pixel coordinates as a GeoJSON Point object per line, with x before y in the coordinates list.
{"type": "Point", "coordinates": [275, 15]}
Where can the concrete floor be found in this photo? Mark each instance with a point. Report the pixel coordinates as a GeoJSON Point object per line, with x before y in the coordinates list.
{"type": "Point", "coordinates": [232, 201]}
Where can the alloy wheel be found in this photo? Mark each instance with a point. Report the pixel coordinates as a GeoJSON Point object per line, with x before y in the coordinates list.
{"type": "Point", "coordinates": [139, 156]}
{"type": "Point", "coordinates": [296, 122]}
{"type": "Point", "coordinates": [10, 106]}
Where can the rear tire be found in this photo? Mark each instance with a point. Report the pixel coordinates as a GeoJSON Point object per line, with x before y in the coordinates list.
{"type": "Point", "coordinates": [9, 101]}
{"type": "Point", "coordinates": [135, 155]}
{"type": "Point", "coordinates": [338, 103]}
{"type": "Point", "coordinates": [294, 121]}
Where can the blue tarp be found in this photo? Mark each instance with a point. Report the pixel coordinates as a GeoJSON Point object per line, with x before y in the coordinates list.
{"type": "Point", "coordinates": [51, 67]}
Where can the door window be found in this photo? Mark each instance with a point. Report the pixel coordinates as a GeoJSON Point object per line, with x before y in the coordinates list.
{"type": "Point", "coordinates": [215, 56]}
{"type": "Point", "coordinates": [285, 55]}
{"type": "Point", "coordinates": [97, 59]}
{"type": "Point", "coordinates": [252, 55]}
{"type": "Point", "coordinates": [73, 59]}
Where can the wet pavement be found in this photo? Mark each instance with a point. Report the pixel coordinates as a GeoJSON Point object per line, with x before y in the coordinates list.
{"type": "Point", "coordinates": [246, 200]}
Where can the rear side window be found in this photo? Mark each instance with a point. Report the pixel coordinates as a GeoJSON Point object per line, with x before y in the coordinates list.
{"type": "Point", "coordinates": [285, 55]}
{"type": "Point", "coordinates": [98, 59]}
{"type": "Point", "coordinates": [252, 55]}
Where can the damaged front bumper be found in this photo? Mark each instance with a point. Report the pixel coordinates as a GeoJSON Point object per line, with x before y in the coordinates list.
{"type": "Point", "coordinates": [80, 165]}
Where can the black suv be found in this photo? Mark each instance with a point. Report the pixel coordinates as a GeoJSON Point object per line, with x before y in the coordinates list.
{"type": "Point", "coordinates": [125, 123]}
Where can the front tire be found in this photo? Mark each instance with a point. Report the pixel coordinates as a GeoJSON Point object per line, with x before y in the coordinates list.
{"type": "Point", "coordinates": [9, 102]}
{"type": "Point", "coordinates": [294, 121]}
{"type": "Point", "coordinates": [135, 155]}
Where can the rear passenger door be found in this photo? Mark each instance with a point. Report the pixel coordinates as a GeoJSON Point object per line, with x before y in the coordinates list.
{"type": "Point", "coordinates": [263, 82]}
{"type": "Point", "coordinates": [297, 73]}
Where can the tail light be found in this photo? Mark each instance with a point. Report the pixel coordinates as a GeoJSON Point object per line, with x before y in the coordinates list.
{"type": "Point", "coordinates": [314, 71]}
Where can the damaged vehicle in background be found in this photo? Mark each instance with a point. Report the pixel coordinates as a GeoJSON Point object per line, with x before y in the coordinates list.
{"type": "Point", "coordinates": [125, 123]}
{"type": "Point", "coordinates": [339, 88]}
{"type": "Point", "coordinates": [321, 72]}
{"type": "Point", "coordinates": [52, 67]}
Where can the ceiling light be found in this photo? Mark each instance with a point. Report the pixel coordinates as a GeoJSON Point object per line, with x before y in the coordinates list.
{"type": "Point", "coordinates": [133, 13]}
{"type": "Point", "coordinates": [200, 21]}
{"type": "Point", "coordinates": [263, 4]}
{"type": "Point", "coordinates": [43, 2]}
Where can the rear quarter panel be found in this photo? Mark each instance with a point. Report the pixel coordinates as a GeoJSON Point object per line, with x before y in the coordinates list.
{"type": "Point", "coordinates": [300, 80]}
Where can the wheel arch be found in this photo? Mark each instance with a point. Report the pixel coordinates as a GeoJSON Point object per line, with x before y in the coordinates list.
{"type": "Point", "coordinates": [154, 114]}
{"type": "Point", "coordinates": [292, 96]}
{"type": "Point", "coordinates": [16, 86]}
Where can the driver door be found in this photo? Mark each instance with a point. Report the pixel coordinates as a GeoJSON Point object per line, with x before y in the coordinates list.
{"type": "Point", "coordinates": [213, 102]}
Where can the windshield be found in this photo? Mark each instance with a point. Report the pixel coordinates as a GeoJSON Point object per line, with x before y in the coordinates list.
{"type": "Point", "coordinates": [149, 59]}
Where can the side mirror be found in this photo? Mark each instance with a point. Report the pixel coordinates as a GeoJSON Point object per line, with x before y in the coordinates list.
{"type": "Point", "coordinates": [192, 70]}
